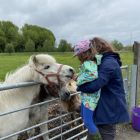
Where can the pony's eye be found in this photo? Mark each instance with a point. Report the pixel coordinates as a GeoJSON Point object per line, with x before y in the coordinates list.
{"type": "Point", "coordinates": [47, 67]}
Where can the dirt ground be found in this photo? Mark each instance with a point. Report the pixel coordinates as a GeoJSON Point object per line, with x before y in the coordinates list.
{"type": "Point", "coordinates": [126, 132]}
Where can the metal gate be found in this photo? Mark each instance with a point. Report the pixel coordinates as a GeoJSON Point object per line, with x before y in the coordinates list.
{"type": "Point", "coordinates": [67, 128]}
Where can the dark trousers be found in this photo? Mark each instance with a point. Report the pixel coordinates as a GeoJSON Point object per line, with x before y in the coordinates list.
{"type": "Point", "coordinates": [107, 131]}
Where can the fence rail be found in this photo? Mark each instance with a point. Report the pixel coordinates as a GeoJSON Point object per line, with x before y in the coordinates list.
{"type": "Point", "coordinates": [18, 85]}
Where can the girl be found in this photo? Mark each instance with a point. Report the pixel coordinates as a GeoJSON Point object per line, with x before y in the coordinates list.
{"type": "Point", "coordinates": [85, 52]}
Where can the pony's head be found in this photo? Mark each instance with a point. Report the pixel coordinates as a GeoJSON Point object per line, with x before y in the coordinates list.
{"type": "Point", "coordinates": [48, 71]}
{"type": "Point", "coordinates": [70, 98]}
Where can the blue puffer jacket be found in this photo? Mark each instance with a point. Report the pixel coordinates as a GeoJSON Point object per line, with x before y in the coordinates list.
{"type": "Point", "coordinates": [111, 108]}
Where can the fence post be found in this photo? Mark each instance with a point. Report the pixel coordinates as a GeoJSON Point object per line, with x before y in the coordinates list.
{"type": "Point", "coordinates": [136, 50]}
{"type": "Point", "coordinates": [133, 87]}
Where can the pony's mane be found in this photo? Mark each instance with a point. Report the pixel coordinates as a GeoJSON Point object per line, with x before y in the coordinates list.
{"type": "Point", "coordinates": [20, 74]}
{"type": "Point", "coordinates": [13, 71]}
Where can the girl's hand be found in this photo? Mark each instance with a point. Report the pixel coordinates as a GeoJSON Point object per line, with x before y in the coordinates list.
{"type": "Point", "coordinates": [77, 88]}
{"type": "Point", "coordinates": [75, 77]}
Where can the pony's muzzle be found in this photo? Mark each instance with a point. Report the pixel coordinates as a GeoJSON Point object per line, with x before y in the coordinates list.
{"type": "Point", "coordinates": [72, 70]}
{"type": "Point", "coordinates": [65, 96]}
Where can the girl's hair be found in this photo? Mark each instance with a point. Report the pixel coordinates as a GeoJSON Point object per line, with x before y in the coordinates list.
{"type": "Point", "coordinates": [88, 55]}
{"type": "Point", "coordinates": [102, 45]}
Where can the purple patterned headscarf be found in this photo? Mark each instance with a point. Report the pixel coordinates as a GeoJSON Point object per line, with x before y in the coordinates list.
{"type": "Point", "coordinates": [82, 46]}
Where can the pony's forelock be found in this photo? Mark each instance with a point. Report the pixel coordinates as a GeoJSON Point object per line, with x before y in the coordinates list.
{"type": "Point", "coordinates": [41, 59]}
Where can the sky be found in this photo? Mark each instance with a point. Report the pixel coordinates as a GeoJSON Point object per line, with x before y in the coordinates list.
{"type": "Point", "coordinates": [74, 20]}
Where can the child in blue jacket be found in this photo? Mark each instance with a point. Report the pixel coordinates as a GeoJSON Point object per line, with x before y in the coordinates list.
{"type": "Point", "coordinates": [88, 73]}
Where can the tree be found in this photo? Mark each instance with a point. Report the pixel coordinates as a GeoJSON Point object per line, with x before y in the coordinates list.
{"type": "Point", "coordinates": [2, 41]}
{"type": "Point", "coordinates": [9, 48]}
{"type": "Point", "coordinates": [64, 46]}
{"type": "Point", "coordinates": [2, 44]}
{"type": "Point", "coordinates": [38, 35]}
{"type": "Point", "coordinates": [117, 45]}
{"type": "Point", "coordinates": [69, 47]}
{"type": "Point", "coordinates": [43, 39]}
{"type": "Point", "coordinates": [20, 43]}
{"type": "Point", "coordinates": [8, 34]}
{"type": "Point", "coordinates": [30, 46]}
{"type": "Point", "coordinates": [10, 31]}
{"type": "Point", "coordinates": [47, 45]}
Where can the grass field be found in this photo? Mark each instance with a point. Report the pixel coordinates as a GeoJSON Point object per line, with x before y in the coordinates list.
{"type": "Point", "coordinates": [11, 62]}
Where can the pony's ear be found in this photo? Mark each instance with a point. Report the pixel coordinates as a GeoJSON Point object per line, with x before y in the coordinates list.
{"type": "Point", "coordinates": [33, 60]}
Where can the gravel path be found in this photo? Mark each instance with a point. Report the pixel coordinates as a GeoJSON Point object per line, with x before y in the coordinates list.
{"type": "Point", "coordinates": [126, 132]}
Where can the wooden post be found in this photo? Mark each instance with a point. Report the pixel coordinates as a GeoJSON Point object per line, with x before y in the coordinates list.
{"type": "Point", "coordinates": [136, 49]}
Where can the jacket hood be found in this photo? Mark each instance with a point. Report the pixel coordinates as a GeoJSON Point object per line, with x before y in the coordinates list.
{"type": "Point", "coordinates": [114, 55]}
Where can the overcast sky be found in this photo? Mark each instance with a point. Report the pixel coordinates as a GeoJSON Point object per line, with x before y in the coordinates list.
{"type": "Point", "coordinates": [74, 20]}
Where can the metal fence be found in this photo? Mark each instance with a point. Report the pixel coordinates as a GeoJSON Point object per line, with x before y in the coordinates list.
{"type": "Point", "coordinates": [125, 72]}
{"type": "Point", "coordinates": [65, 129]}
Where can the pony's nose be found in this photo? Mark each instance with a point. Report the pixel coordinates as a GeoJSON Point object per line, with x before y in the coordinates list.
{"type": "Point", "coordinates": [71, 70]}
{"type": "Point", "coordinates": [67, 94]}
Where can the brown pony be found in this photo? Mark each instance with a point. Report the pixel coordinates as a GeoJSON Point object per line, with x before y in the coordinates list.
{"type": "Point", "coordinates": [68, 99]}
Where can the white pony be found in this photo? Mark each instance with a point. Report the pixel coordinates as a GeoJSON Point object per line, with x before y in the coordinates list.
{"type": "Point", "coordinates": [41, 68]}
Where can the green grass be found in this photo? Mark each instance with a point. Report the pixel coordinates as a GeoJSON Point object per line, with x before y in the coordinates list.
{"type": "Point", "coordinates": [11, 62]}
{"type": "Point", "coordinates": [127, 58]}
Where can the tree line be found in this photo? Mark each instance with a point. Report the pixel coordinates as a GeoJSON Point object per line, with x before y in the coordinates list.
{"type": "Point", "coordinates": [33, 38]}
{"type": "Point", "coordinates": [118, 46]}
{"type": "Point", "coordinates": [29, 38]}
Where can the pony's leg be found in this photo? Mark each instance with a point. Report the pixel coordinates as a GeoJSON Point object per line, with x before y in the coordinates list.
{"type": "Point", "coordinates": [73, 117]}
{"type": "Point", "coordinates": [34, 118]}
{"type": "Point", "coordinates": [44, 128]}
{"type": "Point", "coordinates": [44, 117]}
{"type": "Point", "coordinates": [31, 132]}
